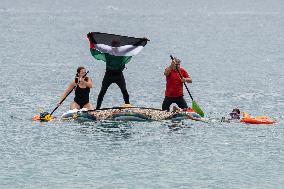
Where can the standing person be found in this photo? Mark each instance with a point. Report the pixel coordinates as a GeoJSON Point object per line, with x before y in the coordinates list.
{"type": "Point", "coordinates": [174, 85]}
{"type": "Point", "coordinates": [82, 91]}
{"type": "Point", "coordinates": [116, 55]}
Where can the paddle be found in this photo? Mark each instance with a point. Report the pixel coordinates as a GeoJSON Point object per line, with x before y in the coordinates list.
{"type": "Point", "coordinates": [45, 116]}
{"type": "Point", "coordinates": [195, 106]}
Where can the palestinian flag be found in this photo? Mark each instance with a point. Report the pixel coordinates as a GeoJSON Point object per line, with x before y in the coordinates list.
{"type": "Point", "coordinates": [115, 50]}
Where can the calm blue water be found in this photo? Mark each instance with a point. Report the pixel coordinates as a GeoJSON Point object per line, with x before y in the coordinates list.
{"type": "Point", "coordinates": [233, 50]}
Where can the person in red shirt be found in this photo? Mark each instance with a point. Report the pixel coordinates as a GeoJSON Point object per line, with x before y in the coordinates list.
{"type": "Point", "coordinates": [174, 86]}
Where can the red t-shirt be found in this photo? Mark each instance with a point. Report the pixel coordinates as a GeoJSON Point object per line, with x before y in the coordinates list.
{"type": "Point", "coordinates": [174, 86]}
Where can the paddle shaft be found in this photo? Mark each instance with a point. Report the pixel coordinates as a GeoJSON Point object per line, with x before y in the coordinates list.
{"type": "Point", "coordinates": [68, 93]}
{"type": "Point", "coordinates": [181, 78]}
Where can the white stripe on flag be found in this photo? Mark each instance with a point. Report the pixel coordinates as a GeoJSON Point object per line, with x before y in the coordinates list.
{"type": "Point", "coordinates": [126, 50]}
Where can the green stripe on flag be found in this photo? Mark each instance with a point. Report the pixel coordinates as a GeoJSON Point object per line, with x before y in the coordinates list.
{"type": "Point", "coordinates": [112, 62]}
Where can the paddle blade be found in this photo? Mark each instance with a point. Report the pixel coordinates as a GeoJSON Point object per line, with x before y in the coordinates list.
{"type": "Point", "coordinates": [197, 108]}
{"type": "Point", "coordinates": [45, 116]}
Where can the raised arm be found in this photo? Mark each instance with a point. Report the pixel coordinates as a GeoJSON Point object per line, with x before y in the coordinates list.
{"type": "Point", "coordinates": [170, 68]}
{"type": "Point", "coordinates": [88, 83]}
{"type": "Point", "coordinates": [168, 71]}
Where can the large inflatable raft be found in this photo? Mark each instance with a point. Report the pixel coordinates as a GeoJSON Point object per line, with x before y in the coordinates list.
{"type": "Point", "coordinates": [128, 114]}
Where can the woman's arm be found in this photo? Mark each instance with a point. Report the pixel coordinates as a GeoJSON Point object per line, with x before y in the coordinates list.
{"type": "Point", "coordinates": [88, 83]}
{"type": "Point", "coordinates": [69, 88]}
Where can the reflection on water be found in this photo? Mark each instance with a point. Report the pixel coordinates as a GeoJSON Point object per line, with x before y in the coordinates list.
{"type": "Point", "coordinates": [177, 125]}
{"type": "Point", "coordinates": [118, 130]}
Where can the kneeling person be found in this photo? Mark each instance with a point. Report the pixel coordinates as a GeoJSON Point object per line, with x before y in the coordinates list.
{"type": "Point", "coordinates": [174, 85]}
{"type": "Point", "coordinates": [82, 91]}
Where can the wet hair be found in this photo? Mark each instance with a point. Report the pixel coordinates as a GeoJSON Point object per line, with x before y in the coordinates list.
{"type": "Point", "coordinates": [235, 114]}
{"type": "Point", "coordinates": [78, 72]}
{"type": "Point", "coordinates": [236, 110]}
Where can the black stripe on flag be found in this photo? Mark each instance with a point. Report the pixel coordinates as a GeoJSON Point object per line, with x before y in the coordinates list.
{"type": "Point", "coordinates": [116, 40]}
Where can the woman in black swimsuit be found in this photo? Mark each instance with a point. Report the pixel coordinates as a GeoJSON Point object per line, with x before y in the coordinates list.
{"type": "Point", "coordinates": [82, 91]}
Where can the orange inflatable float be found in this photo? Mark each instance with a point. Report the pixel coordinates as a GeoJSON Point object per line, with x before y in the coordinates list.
{"type": "Point", "coordinates": [36, 118]}
{"type": "Point", "coordinates": [257, 119]}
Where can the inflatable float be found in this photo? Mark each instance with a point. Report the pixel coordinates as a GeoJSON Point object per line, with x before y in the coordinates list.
{"type": "Point", "coordinates": [128, 114]}
{"type": "Point", "coordinates": [257, 119]}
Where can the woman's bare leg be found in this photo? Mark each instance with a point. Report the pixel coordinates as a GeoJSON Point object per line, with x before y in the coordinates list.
{"type": "Point", "coordinates": [74, 105]}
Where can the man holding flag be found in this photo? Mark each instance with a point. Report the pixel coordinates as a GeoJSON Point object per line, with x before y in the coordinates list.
{"type": "Point", "coordinates": [116, 51]}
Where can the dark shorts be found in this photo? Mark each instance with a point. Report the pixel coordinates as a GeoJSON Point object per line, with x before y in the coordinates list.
{"type": "Point", "coordinates": [178, 100]}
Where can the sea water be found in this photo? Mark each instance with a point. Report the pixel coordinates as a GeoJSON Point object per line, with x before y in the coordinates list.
{"type": "Point", "coordinates": [233, 50]}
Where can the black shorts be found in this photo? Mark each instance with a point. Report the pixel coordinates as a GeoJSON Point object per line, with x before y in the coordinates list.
{"type": "Point", "coordinates": [178, 100]}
